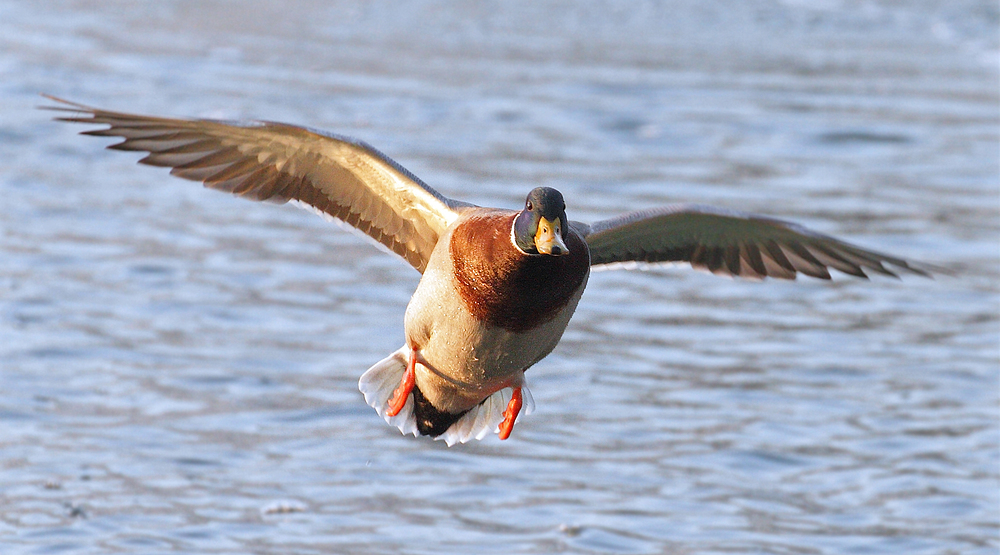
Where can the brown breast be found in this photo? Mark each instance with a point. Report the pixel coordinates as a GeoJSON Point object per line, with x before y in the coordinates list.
{"type": "Point", "coordinates": [505, 287]}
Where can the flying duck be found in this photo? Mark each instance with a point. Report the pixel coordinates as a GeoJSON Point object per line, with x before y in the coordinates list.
{"type": "Point", "coordinates": [498, 286]}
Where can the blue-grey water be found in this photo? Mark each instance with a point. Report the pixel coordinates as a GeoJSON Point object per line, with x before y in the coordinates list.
{"type": "Point", "coordinates": [178, 368]}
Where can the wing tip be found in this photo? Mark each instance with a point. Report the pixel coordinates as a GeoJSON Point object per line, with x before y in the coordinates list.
{"type": "Point", "coordinates": [64, 106]}
{"type": "Point", "coordinates": [928, 271]}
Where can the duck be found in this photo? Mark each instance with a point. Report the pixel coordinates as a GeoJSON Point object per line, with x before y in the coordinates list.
{"type": "Point", "coordinates": [498, 286]}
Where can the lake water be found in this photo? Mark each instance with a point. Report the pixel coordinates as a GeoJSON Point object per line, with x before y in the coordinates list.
{"type": "Point", "coordinates": [178, 368]}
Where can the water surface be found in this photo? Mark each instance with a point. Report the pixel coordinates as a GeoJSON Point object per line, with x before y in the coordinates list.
{"type": "Point", "coordinates": [178, 368]}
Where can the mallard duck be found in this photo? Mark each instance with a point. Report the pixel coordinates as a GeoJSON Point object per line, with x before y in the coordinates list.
{"type": "Point", "coordinates": [498, 286]}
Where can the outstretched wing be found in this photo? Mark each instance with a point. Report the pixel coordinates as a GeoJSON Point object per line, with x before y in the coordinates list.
{"type": "Point", "coordinates": [731, 243]}
{"type": "Point", "coordinates": [337, 176]}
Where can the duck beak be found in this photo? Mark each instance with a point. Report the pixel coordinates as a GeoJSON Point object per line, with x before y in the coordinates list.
{"type": "Point", "coordinates": [548, 238]}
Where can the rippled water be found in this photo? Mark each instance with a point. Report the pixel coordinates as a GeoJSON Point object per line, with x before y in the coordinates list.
{"type": "Point", "coordinates": [178, 368]}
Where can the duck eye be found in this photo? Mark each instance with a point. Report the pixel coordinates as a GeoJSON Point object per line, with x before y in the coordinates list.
{"type": "Point", "coordinates": [530, 206]}
{"type": "Point", "coordinates": [564, 207]}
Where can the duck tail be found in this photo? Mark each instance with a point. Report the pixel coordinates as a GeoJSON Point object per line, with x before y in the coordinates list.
{"type": "Point", "coordinates": [485, 418]}
{"type": "Point", "coordinates": [379, 383]}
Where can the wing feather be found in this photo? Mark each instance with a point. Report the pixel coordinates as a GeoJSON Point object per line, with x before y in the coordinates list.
{"type": "Point", "coordinates": [338, 176]}
{"type": "Point", "coordinates": [754, 268]}
{"type": "Point", "coordinates": [733, 243]}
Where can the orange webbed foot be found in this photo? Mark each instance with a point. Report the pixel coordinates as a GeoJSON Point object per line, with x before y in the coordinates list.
{"type": "Point", "coordinates": [510, 415]}
{"type": "Point", "coordinates": [405, 386]}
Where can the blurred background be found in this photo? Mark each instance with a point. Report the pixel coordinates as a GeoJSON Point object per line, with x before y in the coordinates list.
{"type": "Point", "coordinates": [178, 368]}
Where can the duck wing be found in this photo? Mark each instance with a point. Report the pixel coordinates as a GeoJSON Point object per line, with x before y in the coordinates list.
{"type": "Point", "coordinates": [732, 243]}
{"type": "Point", "coordinates": [337, 176]}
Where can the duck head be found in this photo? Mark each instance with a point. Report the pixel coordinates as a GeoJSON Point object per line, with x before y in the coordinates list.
{"type": "Point", "coordinates": [542, 226]}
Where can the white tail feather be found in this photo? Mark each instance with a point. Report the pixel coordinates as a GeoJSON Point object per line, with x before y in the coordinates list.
{"type": "Point", "coordinates": [485, 417]}
{"type": "Point", "coordinates": [378, 384]}
{"type": "Point", "coordinates": [380, 381]}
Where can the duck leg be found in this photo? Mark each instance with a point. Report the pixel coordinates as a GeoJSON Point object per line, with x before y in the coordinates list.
{"type": "Point", "coordinates": [405, 385]}
{"type": "Point", "coordinates": [510, 415]}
